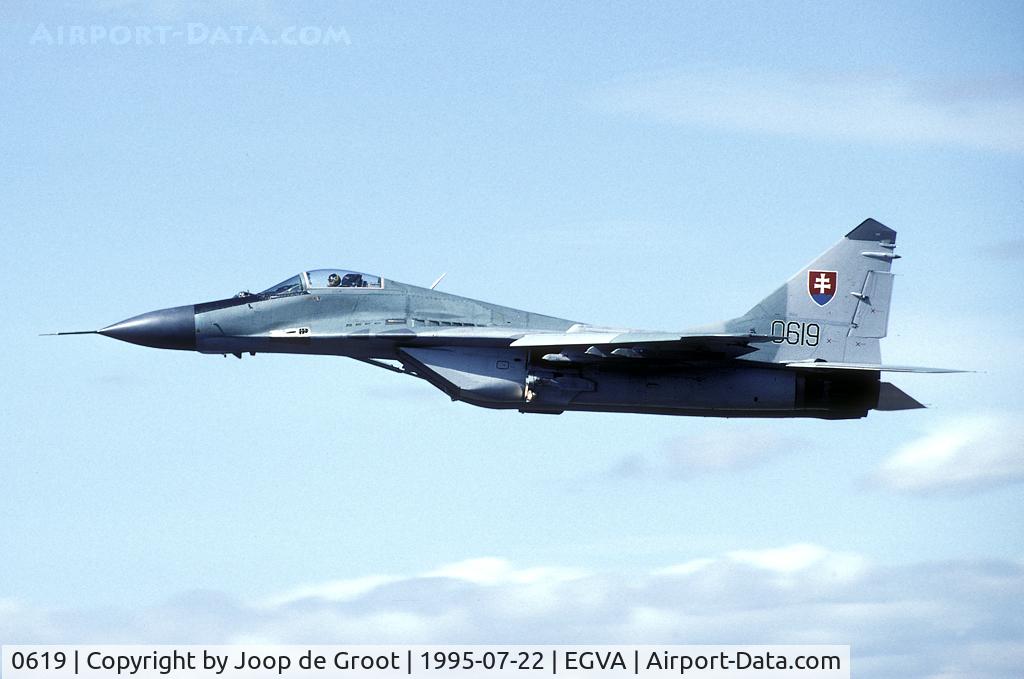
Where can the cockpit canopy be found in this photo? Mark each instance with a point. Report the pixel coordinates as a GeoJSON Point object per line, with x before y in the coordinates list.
{"type": "Point", "coordinates": [323, 278]}
{"type": "Point", "coordinates": [288, 287]}
{"type": "Point", "coordinates": [339, 278]}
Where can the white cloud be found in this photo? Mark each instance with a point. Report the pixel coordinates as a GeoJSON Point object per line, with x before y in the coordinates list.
{"type": "Point", "coordinates": [335, 590]}
{"type": "Point", "coordinates": [966, 454]}
{"type": "Point", "coordinates": [924, 620]}
{"type": "Point", "coordinates": [983, 114]}
{"type": "Point", "coordinates": [713, 451]}
{"type": "Point", "coordinates": [495, 571]}
{"type": "Point", "coordinates": [686, 568]}
{"type": "Point", "coordinates": [800, 558]}
{"type": "Point", "coordinates": [782, 560]}
{"type": "Point", "coordinates": [528, 591]}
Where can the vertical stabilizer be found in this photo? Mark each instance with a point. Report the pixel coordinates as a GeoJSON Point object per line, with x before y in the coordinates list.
{"type": "Point", "coordinates": [834, 309]}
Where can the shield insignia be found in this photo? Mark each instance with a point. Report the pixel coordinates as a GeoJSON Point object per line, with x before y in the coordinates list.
{"type": "Point", "coordinates": [821, 285]}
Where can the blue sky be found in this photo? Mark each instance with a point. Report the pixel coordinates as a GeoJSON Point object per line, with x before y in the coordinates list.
{"type": "Point", "coordinates": [535, 152]}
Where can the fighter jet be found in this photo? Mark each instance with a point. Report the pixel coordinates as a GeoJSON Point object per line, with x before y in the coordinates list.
{"type": "Point", "coordinates": [808, 349]}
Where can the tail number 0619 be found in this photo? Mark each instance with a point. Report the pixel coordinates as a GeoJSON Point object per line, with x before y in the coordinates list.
{"type": "Point", "coordinates": [795, 332]}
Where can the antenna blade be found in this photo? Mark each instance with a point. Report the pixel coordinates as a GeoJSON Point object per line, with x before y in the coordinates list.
{"type": "Point", "coordinates": [439, 279]}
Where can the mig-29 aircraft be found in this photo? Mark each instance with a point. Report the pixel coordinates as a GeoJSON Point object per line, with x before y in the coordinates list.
{"type": "Point", "coordinates": [808, 349]}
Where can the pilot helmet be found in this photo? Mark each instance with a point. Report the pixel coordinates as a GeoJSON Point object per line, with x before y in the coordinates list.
{"type": "Point", "coordinates": [333, 280]}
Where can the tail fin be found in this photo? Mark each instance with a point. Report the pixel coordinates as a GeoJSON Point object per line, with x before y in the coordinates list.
{"type": "Point", "coordinates": [834, 309]}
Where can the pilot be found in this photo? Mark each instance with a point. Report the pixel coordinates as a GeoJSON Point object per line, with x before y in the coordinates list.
{"type": "Point", "coordinates": [333, 281]}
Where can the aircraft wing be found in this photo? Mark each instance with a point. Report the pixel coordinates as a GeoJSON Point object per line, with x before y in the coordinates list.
{"type": "Point", "coordinates": [585, 345]}
{"type": "Point", "coordinates": [596, 345]}
{"type": "Point", "coordinates": [528, 339]}
{"type": "Point", "coordinates": [614, 338]}
{"type": "Point", "coordinates": [592, 344]}
{"type": "Point", "coordinates": [868, 367]}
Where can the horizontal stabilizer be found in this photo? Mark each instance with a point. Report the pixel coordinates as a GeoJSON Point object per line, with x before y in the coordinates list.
{"type": "Point", "coordinates": [891, 397]}
{"type": "Point", "coordinates": [869, 367]}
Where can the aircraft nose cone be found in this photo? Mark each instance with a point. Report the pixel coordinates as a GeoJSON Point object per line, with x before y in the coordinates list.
{"type": "Point", "coordinates": [173, 328]}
